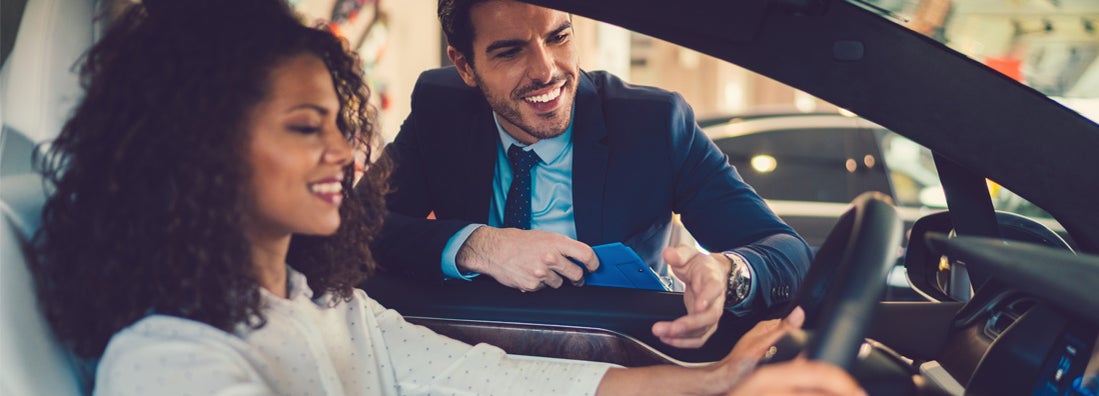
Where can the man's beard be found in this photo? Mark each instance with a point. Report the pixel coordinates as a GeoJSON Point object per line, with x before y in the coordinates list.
{"type": "Point", "coordinates": [509, 109]}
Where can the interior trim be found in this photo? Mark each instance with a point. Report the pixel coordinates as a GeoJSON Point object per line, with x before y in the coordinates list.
{"type": "Point", "coordinates": [562, 342]}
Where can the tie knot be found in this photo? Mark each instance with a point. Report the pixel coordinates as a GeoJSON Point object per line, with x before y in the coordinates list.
{"type": "Point", "coordinates": [521, 160]}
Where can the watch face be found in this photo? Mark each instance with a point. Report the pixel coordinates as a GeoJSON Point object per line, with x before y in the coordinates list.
{"type": "Point", "coordinates": [740, 283]}
{"type": "Point", "coordinates": [742, 286]}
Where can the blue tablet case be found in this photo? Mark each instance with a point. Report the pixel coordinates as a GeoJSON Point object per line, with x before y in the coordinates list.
{"type": "Point", "coordinates": [620, 266]}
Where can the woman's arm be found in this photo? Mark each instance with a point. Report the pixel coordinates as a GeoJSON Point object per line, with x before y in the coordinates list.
{"type": "Point", "coordinates": [737, 373]}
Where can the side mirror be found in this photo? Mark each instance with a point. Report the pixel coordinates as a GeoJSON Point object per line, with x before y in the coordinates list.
{"type": "Point", "coordinates": [939, 279]}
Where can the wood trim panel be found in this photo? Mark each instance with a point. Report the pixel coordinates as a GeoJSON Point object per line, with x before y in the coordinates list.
{"type": "Point", "coordinates": [551, 341]}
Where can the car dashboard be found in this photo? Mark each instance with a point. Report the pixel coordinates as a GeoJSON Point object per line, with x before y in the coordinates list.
{"type": "Point", "coordinates": [1032, 329]}
{"type": "Point", "coordinates": [1013, 343]}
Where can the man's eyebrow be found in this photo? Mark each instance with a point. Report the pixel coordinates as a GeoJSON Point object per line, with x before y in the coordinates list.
{"type": "Point", "coordinates": [564, 26]}
{"type": "Point", "coordinates": [519, 43]}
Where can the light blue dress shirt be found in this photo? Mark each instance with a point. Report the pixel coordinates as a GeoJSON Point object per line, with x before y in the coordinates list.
{"type": "Point", "coordinates": [551, 198]}
{"type": "Point", "coordinates": [551, 202]}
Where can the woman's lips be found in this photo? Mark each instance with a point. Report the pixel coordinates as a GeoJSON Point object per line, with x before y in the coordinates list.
{"type": "Point", "coordinates": [330, 191]}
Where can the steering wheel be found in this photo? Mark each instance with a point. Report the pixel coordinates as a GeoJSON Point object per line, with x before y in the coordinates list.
{"type": "Point", "coordinates": [841, 290]}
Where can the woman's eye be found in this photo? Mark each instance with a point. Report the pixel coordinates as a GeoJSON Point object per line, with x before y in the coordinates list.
{"type": "Point", "coordinates": [305, 130]}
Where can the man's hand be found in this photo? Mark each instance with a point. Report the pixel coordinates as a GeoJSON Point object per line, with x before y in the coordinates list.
{"type": "Point", "coordinates": [706, 278]}
{"type": "Point", "coordinates": [527, 260]}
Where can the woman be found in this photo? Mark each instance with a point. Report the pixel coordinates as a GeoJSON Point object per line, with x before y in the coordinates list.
{"type": "Point", "coordinates": [203, 239]}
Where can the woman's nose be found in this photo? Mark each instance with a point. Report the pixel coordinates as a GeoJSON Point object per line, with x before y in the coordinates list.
{"type": "Point", "coordinates": [337, 149]}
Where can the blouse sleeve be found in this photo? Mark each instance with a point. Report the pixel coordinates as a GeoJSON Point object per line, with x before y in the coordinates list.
{"type": "Point", "coordinates": [195, 360]}
{"type": "Point", "coordinates": [424, 362]}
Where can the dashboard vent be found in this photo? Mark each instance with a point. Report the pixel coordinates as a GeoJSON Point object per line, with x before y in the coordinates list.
{"type": "Point", "coordinates": [1005, 315]}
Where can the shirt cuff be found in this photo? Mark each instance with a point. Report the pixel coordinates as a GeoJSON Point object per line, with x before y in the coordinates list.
{"type": "Point", "coordinates": [744, 307]}
{"type": "Point", "coordinates": [450, 254]}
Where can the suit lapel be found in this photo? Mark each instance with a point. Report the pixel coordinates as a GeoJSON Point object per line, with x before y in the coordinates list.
{"type": "Point", "coordinates": [589, 163]}
{"type": "Point", "coordinates": [478, 165]}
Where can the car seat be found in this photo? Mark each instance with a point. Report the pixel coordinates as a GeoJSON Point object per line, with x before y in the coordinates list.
{"type": "Point", "coordinates": [38, 88]}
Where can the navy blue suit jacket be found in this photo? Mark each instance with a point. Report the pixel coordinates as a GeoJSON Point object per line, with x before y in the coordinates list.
{"type": "Point", "coordinates": [638, 156]}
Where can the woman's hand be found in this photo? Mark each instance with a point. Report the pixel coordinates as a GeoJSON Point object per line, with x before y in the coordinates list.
{"type": "Point", "coordinates": [760, 338]}
{"type": "Point", "coordinates": [798, 377]}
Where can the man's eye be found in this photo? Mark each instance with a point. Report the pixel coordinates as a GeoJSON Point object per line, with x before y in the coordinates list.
{"type": "Point", "coordinates": [305, 130]}
{"type": "Point", "coordinates": [511, 53]}
{"type": "Point", "coordinates": [560, 37]}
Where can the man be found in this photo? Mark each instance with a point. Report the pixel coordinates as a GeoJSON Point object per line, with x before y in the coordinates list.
{"type": "Point", "coordinates": [526, 162]}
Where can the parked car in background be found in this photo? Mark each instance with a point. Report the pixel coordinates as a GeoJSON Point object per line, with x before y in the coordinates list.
{"type": "Point", "coordinates": [809, 166]}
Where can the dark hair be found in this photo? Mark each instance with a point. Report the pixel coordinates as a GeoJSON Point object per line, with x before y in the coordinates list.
{"type": "Point", "coordinates": [150, 183]}
{"type": "Point", "coordinates": [457, 25]}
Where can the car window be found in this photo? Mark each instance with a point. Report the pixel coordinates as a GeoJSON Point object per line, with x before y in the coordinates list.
{"type": "Point", "coordinates": [911, 171]}
{"type": "Point", "coordinates": [822, 165]}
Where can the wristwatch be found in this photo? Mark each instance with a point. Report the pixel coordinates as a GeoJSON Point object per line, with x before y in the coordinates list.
{"type": "Point", "coordinates": [740, 280]}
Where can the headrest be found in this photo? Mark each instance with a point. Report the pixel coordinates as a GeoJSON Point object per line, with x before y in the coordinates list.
{"type": "Point", "coordinates": [38, 82]}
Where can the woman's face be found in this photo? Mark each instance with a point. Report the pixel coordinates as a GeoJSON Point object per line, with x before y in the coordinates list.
{"type": "Point", "coordinates": [296, 153]}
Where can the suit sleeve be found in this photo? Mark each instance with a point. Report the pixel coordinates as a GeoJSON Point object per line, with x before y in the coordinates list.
{"type": "Point", "coordinates": [725, 214]}
{"type": "Point", "coordinates": [409, 243]}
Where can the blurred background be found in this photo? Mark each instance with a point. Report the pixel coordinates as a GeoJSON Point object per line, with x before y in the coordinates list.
{"type": "Point", "coordinates": [1050, 45]}
{"type": "Point", "coordinates": [805, 156]}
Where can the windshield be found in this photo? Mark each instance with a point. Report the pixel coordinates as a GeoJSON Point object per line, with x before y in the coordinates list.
{"type": "Point", "coordinates": [761, 124]}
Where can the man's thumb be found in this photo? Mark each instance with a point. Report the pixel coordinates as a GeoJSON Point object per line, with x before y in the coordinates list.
{"type": "Point", "coordinates": [677, 256]}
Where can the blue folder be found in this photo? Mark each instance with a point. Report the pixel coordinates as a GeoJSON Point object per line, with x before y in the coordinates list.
{"type": "Point", "coordinates": [620, 266]}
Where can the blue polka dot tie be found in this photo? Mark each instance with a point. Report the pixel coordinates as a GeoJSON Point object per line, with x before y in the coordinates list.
{"type": "Point", "coordinates": [517, 207]}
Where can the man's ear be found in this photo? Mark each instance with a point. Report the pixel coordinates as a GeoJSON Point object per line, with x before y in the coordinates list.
{"type": "Point", "coordinates": [463, 64]}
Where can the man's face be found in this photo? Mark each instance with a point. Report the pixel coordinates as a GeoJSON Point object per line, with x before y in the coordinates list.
{"type": "Point", "coordinates": [525, 63]}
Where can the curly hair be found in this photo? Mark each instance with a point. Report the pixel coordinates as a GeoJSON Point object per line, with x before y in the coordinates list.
{"type": "Point", "coordinates": [150, 183]}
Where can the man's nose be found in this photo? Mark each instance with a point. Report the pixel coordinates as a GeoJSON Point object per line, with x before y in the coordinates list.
{"type": "Point", "coordinates": [542, 65]}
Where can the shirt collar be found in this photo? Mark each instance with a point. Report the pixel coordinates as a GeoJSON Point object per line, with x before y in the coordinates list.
{"type": "Point", "coordinates": [296, 284]}
{"type": "Point", "coordinates": [548, 150]}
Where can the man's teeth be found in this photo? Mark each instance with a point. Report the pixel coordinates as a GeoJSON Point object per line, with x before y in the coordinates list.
{"type": "Point", "coordinates": [545, 97]}
{"type": "Point", "coordinates": [326, 188]}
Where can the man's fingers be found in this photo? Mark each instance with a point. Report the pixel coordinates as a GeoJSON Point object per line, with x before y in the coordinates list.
{"type": "Point", "coordinates": [568, 269]}
{"type": "Point", "coordinates": [671, 334]}
{"type": "Point", "coordinates": [690, 331]}
{"type": "Point", "coordinates": [698, 322]}
{"type": "Point", "coordinates": [707, 291]}
{"type": "Point", "coordinates": [678, 256]}
{"type": "Point", "coordinates": [582, 253]}
{"type": "Point", "coordinates": [553, 280]}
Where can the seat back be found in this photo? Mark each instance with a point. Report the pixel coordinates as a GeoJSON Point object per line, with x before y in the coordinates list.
{"type": "Point", "coordinates": [37, 90]}
{"type": "Point", "coordinates": [32, 361]}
